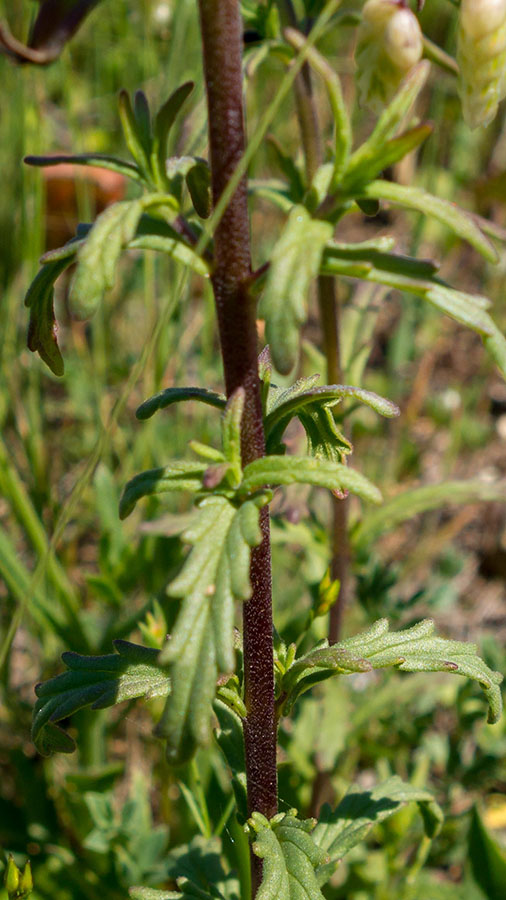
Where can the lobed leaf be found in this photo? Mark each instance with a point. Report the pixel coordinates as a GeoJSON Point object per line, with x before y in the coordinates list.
{"type": "Point", "coordinates": [215, 574]}
{"type": "Point", "coordinates": [413, 649]}
{"type": "Point", "coordinates": [306, 401]}
{"type": "Point", "coordinates": [172, 395]}
{"type": "Point", "coordinates": [341, 829]}
{"type": "Point", "coordinates": [274, 470]}
{"type": "Point", "coordinates": [96, 681]}
{"type": "Point", "coordinates": [290, 857]}
{"type": "Point", "coordinates": [295, 260]}
{"type": "Point", "coordinates": [178, 475]}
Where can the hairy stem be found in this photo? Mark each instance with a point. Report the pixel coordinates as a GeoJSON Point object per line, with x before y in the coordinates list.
{"type": "Point", "coordinates": [236, 311]}
{"type": "Point", "coordinates": [328, 303]}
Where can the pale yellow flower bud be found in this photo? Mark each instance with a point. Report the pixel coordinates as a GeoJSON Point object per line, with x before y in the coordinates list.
{"type": "Point", "coordinates": [481, 55]}
{"type": "Point", "coordinates": [389, 44]}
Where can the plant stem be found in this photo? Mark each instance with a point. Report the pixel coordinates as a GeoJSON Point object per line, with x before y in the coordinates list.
{"type": "Point", "coordinates": [328, 303]}
{"type": "Point", "coordinates": [236, 310]}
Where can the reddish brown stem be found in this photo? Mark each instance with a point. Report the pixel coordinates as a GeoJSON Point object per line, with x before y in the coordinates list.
{"type": "Point", "coordinates": [236, 311]}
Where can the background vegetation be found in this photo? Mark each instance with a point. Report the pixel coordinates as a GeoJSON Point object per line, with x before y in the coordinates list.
{"type": "Point", "coordinates": [71, 575]}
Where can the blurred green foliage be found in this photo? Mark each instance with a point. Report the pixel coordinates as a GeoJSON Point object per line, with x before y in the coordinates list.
{"type": "Point", "coordinates": [72, 576]}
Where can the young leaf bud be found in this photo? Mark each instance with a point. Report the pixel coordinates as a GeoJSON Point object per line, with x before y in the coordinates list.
{"type": "Point", "coordinates": [389, 44]}
{"type": "Point", "coordinates": [481, 55]}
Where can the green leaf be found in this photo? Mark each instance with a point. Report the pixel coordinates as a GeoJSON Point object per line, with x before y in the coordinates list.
{"type": "Point", "coordinates": [339, 830]}
{"type": "Point", "coordinates": [413, 649]}
{"type": "Point", "coordinates": [287, 165]}
{"type": "Point", "coordinates": [198, 181]}
{"type": "Point", "coordinates": [356, 179]}
{"type": "Point", "coordinates": [230, 739]}
{"type": "Point", "coordinates": [178, 475]}
{"type": "Point", "coordinates": [133, 133]}
{"type": "Point", "coordinates": [308, 401]}
{"type": "Point", "coordinates": [162, 238]}
{"type": "Point", "coordinates": [417, 277]}
{"type": "Point", "coordinates": [290, 857]}
{"type": "Point", "coordinates": [460, 222]}
{"type": "Point", "coordinates": [274, 470]}
{"type": "Point", "coordinates": [96, 681]}
{"type": "Point", "coordinates": [42, 328]}
{"type": "Point", "coordinates": [324, 440]}
{"type": "Point", "coordinates": [410, 503]}
{"type": "Point", "coordinates": [495, 344]}
{"type": "Point", "coordinates": [172, 395]}
{"type": "Point", "coordinates": [295, 260]}
{"type": "Point", "coordinates": [389, 122]}
{"type": "Point", "coordinates": [98, 258]}
{"type": "Point", "coordinates": [163, 123]}
{"type": "Point", "coordinates": [143, 119]}
{"type": "Point", "coordinates": [487, 859]}
{"type": "Point", "coordinates": [146, 893]}
{"type": "Point", "coordinates": [215, 574]}
{"type": "Point", "coordinates": [89, 159]}
{"type": "Point", "coordinates": [231, 434]}
{"type": "Point", "coordinates": [198, 870]}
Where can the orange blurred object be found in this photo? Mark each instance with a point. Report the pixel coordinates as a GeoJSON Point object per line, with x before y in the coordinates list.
{"type": "Point", "coordinates": [73, 191]}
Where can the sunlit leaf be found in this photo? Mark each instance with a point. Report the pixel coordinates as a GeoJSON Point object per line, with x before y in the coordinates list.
{"type": "Point", "coordinates": [290, 857]}
{"type": "Point", "coordinates": [215, 575]}
{"type": "Point", "coordinates": [96, 681]}
{"type": "Point", "coordinates": [274, 470]}
{"type": "Point", "coordinates": [413, 649]}
{"type": "Point", "coordinates": [341, 829]}
{"type": "Point", "coordinates": [307, 401]}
